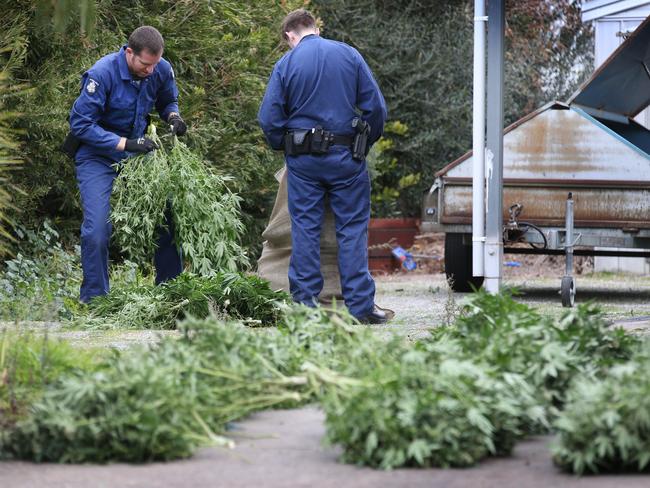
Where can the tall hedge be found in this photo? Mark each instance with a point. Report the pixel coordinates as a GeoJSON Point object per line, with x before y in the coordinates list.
{"type": "Point", "coordinates": [222, 53]}
{"type": "Point", "coordinates": [12, 52]}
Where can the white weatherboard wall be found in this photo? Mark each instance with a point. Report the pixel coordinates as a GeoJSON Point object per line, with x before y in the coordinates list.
{"type": "Point", "coordinates": [613, 20]}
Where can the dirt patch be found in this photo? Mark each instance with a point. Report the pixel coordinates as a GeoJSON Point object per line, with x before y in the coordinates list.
{"type": "Point", "coordinates": [429, 253]}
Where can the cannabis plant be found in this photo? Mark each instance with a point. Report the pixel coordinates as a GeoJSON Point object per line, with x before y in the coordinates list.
{"type": "Point", "coordinates": [605, 424]}
{"type": "Point", "coordinates": [177, 184]}
{"type": "Point", "coordinates": [548, 352]}
{"type": "Point", "coordinates": [145, 306]}
{"type": "Point", "coordinates": [427, 407]}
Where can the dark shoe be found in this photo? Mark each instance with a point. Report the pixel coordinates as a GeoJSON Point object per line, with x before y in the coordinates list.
{"type": "Point", "coordinates": [377, 316]}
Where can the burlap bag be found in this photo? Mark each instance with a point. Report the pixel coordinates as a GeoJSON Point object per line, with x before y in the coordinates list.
{"type": "Point", "coordinates": [273, 265]}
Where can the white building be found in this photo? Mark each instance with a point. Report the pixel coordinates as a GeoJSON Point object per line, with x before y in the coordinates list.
{"type": "Point", "coordinates": [613, 20]}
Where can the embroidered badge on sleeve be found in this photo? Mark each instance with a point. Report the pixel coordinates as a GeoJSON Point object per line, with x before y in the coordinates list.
{"type": "Point", "coordinates": [91, 86]}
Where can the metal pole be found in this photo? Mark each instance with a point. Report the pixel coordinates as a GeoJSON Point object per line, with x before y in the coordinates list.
{"type": "Point", "coordinates": [494, 151]}
{"type": "Point", "coordinates": [568, 286]}
{"type": "Point", "coordinates": [478, 141]}
{"type": "Point", "coordinates": [568, 245]}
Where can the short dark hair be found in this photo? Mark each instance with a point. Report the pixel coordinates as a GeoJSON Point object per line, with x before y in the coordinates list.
{"type": "Point", "coordinates": [146, 37]}
{"type": "Point", "coordinates": [296, 21]}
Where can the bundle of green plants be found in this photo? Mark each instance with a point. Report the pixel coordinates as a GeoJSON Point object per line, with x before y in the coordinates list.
{"type": "Point", "coordinates": [549, 352]}
{"type": "Point", "coordinates": [140, 200]}
{"type": "Point", "coordinates": [161, 402]}
{"type": "Point", "coordinates": [205, 213]}
{"type": "Point", "coordinates": [28, 363]}
{"type": "Point", "coordinates": [605, 423]}
{"type": "Point", "coordinates": [426, 406]}
{"type": "Point", "coordinates": [139, 406]}
{"type": "Point", "coordinates": [141, 305]}
{"type": "Point", "coordinates": [328, 337]}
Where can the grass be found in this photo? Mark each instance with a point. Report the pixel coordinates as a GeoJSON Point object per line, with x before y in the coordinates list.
{"type": "Point", "coordinates": [29, 362]}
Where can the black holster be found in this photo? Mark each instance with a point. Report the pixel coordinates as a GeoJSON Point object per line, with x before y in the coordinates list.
{"type": "Point", "coordinates": [360, 146]}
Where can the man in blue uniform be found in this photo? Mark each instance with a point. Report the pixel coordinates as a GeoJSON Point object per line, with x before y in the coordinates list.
{"type": "Point", "coordinates": [324, 108]}
{"type": "Point", "coordinates": [107, 124]}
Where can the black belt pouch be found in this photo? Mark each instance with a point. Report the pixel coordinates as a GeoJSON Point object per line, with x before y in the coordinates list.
{"type": "Point", "coordinates": [297, 142]}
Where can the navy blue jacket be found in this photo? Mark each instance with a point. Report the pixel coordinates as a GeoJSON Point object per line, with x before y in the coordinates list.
{"type": "Point", "coordinates": [321, 82]}
{"type": "Point", "coordinates": [112, 104]}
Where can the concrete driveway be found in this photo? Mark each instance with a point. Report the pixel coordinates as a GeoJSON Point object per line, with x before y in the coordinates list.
{"type": "Point", "coordinates": [283, 448]}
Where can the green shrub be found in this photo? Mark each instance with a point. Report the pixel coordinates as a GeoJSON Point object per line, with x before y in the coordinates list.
{"type": "Point", "coordinates": [42, 281]}
{"type": "Point", "coordinates": [12, 51]}
{"type": "Point", "coordinates": [28, 363]}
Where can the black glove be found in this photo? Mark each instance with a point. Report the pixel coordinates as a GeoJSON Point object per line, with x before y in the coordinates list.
{"type": "Point", "coordinates": [177, 124]}
{"type": "Point", "coordinates": [140, 145]}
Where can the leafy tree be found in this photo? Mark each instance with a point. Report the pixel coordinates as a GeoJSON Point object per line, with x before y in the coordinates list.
{"type": "Point", "coordinates": [421, 54]}
{"type": "Point", "coordinates": [12, 51]}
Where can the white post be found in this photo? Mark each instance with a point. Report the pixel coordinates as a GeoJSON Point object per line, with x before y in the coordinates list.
{"type": "Point", "coordinates": [494, 147]}
{"type": "Point", "coordinates": [478, 141]}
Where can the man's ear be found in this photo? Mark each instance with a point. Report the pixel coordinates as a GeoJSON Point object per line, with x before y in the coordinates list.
{"type": "Point", "coordinates": [129, 50]}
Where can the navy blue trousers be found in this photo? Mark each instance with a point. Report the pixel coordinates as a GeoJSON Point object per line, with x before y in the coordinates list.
{"type": "Point", "coordinates": [347, 184]}
{"type": "Point", "coordinates": [95, 179]}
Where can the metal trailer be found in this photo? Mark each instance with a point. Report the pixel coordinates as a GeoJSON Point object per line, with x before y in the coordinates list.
{"type": "Point", "coordinates": [576, 175]}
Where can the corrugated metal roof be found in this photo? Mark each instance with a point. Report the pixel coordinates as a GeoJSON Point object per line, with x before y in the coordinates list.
{"type": "Point", "coordinates": [596, 9]}
{"type": "Point", "coordinates": [621, 85]}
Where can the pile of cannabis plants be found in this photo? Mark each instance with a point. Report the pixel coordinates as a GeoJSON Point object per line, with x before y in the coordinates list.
{"type": "Point", "coordinates": [548, 352]}
{"type": "Point", "coordinates": [141, 305]}
{"type": "Point", "coordinates": [426, 406]}
{"type": "Point", "coordinates": [471, 389]}
{"type": "Point", "coordinates": [139, 406]}
{"type": "Point", "coordinates": [164, 401]}
{"type": "Point", "coordinates": [178, 184]}
{"type": "Point", "coordinates": [605, 424]}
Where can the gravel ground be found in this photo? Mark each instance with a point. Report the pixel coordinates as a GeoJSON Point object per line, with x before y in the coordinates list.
{"type": "Point", "coordinates": [423, 301]}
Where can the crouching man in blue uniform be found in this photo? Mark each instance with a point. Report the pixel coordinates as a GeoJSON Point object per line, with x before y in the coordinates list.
{"type": "Point", "coordinates": [107, 125]}
{"type": "Point", "coordinates": [324, 108]}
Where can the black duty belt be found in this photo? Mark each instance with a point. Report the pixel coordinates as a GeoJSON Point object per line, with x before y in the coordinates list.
{"type": "Point", "coordinates": [313, 141]}
{"type": "Point", "coordinates": [342, 140]}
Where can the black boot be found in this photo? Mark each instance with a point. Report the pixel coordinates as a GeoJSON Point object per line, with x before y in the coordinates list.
{"type": "Point", "coordinates": [375, 317]}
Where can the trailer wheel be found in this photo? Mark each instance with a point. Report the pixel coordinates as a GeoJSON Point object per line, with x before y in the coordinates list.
{"type": "Point", "coordinates": [458, 263]}
{"type": "Point", "coordinates": [568, 291]}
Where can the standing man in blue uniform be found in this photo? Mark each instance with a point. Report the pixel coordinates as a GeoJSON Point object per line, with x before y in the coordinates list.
{"type": "Point", "coordinates": [324, 108]}
{"type": "Point", "coordinates": [107, 125]}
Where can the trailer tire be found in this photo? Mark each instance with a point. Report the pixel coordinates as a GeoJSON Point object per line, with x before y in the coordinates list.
{"type": "Point", "coordinates": [568, 291]}
{"type": "Point", "coordinates": [458, 263]}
